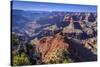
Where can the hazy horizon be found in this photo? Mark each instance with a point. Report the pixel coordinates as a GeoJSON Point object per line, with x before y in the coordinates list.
{"type": "Point", "coordinates": [40, 6]}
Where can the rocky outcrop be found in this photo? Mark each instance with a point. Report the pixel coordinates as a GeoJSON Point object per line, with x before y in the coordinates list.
{"type": "Point", "coordinates": [50, 46]}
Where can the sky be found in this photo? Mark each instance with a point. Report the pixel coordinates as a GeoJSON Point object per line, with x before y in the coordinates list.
{"type": "Point", "coordinates": [38, 6]}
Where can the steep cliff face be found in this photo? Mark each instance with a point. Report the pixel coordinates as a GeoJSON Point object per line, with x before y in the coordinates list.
{"type": "Point", "coordinates": [51, 48]}
{"type": "Point", "coordinates": [90, 44]}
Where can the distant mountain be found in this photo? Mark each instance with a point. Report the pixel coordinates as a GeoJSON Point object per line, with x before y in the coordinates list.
{"type": "Point", "coordinates": [32, 21]}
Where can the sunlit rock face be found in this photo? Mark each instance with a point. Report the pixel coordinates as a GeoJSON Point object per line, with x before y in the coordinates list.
{"type": "Point", "coordinates": [50, 46]}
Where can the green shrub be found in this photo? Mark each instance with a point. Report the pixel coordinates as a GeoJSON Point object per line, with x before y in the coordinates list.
{"type": "Point", "coordinates": [20, 59]}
